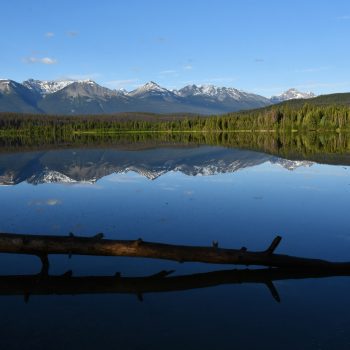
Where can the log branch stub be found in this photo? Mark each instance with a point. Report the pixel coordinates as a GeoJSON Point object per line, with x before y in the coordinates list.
{"type": "Point", "coordinates": [98, 236]}
{"type": "Point", "coordinates": [277, 240]}
{"type": "Point", "coordinates": [26, 298]}
{"type": "Point", "coordinates": [139, 297]}
{"type": "Point", "coordinates": [273, 290]}
{"type": "Point", "coordinates": [45, 264]}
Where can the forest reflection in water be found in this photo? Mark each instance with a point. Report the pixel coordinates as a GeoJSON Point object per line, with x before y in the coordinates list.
{"type": "Point", "coordinates": [183, 152]}
{"type": "Point", "coordinates": [328, 147]}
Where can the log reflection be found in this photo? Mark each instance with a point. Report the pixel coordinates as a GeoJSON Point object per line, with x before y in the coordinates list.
{"type": "Point", "coordinates": [66, 284]}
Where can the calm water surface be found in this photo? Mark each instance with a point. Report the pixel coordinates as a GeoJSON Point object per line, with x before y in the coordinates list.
{"type": "Point", "coordinates": [177, 195]}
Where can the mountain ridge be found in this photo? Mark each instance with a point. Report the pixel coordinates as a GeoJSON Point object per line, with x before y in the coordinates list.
{"type": "Point", "coordinates": [87, 97]}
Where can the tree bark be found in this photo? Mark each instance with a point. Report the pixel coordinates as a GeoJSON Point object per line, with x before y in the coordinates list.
{"type": "Point", "coordinates": [43, 245]}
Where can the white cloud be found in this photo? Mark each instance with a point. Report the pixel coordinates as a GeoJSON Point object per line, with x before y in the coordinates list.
{"type": "Point", "coordinates": [43, 60]}
{"type": "Point", "coordinates": [48, 60]}
{"type": "Point", "coordinates": [49, 34]}
{"type": "Point", "coordinates": [187, 67]}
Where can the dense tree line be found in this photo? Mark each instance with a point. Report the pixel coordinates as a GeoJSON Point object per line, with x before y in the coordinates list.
{"type": "Point", "coordinates": [279, 117]}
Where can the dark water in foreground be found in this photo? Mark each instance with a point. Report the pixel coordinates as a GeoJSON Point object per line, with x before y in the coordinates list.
{"type": "Point", "coordinates": [184, 195]}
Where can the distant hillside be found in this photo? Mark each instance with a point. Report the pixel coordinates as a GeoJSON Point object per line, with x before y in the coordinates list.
{"type": "Point", "coordinates": [326, 101]}
{"type": "Point", "coordinates": [340, 99]}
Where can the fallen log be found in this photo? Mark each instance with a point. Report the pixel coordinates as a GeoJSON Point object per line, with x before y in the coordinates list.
{"type": "Point", "coordinates": [42, 246]}
{"type": "Point", "coordinates": [65, 284]}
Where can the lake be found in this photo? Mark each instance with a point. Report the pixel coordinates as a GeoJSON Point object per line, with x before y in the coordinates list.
{"type": "Point", "coordinates": [180, 193]}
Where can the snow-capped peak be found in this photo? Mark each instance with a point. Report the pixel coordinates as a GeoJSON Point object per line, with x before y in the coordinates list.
{"type": "Point", "coordinates": [45, 87]}
{"type": "Point", "coordinates": [151, 87]}
{"type": "Point", "coordinates": [292, 94]}
{"type": "Point", "coordinates": [219, 93]}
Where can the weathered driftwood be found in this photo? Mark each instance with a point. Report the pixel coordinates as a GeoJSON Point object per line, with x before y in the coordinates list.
{"type": "Point", "coordinates": [43, 245]}
{"type": "Point", "coordinates": [67, 285]}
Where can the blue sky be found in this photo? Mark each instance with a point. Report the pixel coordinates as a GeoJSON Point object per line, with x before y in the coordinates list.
{"type": "Point", "coordinates": [259, 46]}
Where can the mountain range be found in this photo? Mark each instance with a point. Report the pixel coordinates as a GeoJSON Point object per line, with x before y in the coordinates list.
{"type": "Point", "coordinates": [69, 97]}
{"type": "Point", "coordinates": [88, 166]}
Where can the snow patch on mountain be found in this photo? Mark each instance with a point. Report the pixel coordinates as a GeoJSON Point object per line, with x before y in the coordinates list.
{"type": "Point", "coordinates": [292, 94]}
{"type": "Point", "coordinates": [219, 94]}
{"type": "Point", "coordinates": [49, 176]}
{"type": "Point", "coordinates": [211, 91]}
{"type": "Point", "coordinates": [45, 87]}
{"type": "Point", "coordinates": [149, 88]}
{"type": "Point", "coordinates": [4, 85]}
{"type": "Point", "coordinates": [53, 176]}
{"type": "Point", "coordinates": [292, 164]}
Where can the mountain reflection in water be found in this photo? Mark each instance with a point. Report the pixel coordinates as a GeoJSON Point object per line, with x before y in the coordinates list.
{"type": "Point", "coordinates": [90, 165]}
